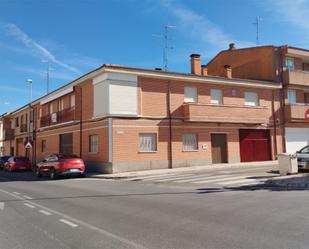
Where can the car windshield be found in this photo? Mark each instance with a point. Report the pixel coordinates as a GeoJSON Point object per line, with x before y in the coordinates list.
{"type": "Point", "coordinates": [305, 150]}
{"type": "Point", "coordinates": [4, 158]}
{"type": "Point", "coordinates": [21, 159]}
{"type": "Point", "coordinates": [67, 156]}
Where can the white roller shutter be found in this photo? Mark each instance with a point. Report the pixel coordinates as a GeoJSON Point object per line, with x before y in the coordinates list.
{"type": "Point", "coordinates": [296, 138]}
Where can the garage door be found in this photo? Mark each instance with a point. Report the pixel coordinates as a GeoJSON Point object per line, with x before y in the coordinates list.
{"type": "Point", "coordinates": [254, 145]}
{"type": "Point", "coordinates": [296, 138]}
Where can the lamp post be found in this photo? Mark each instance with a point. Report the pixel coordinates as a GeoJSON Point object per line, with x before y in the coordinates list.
{"type": "Point", "coordinates": [29, 81]}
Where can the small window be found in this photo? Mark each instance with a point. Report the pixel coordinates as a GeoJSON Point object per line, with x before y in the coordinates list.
{"type": "Point", "coordinates": [50, 108]}
{"type": "Point", "coordinates": [17, 122]}
{"type": "Point", "coordinates": [43, 145]}
{"type": "Point", "coordinates": [289, 63]}
{"type": "Point", "coordinates": [189, 142]}
{"type": "Point", "coordinates": [291, 96]}
{"type": "Point", "coordinates": [93, 143]}
{"type": "Point", "coordinates": [190, 94]}
{"type": "Point", "coordinates": [61, 105]}
{"type": "Point", "coordinates": [216, 96]}
{"type": "Point", "coordinates": [147, 142]}
{"type": "Point", "coordinates": [72, 101]}
{"type": "Point", "coordinates": [251, 99]}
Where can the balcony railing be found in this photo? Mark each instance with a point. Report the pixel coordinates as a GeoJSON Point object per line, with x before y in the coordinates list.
{"type": "Point", "coordinates": [295, 112]}
{"type": "Point", "coordinates": [195, 112]}
{"type": "Point", "coordinates": [298, 77]}
{"type": "Point", "coordinates": [63, 116]}
{"type": "Point", "coordinates": [23, 128]}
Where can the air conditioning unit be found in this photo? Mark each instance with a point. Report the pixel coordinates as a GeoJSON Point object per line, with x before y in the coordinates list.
{"type": "Point", "coordinates": [54, 117]}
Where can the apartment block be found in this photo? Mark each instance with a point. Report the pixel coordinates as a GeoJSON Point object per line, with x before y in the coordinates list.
{"type": "Point", "coordinates": [121, 119]}
{"type": "Point", "coordinates": [282, 64]}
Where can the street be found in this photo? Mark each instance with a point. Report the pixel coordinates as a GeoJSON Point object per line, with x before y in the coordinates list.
{"type": "Point", "coordinates": [102, 213]}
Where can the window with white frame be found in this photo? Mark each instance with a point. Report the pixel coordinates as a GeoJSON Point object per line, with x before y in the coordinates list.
{"type": "Point", "coordinates": [189, 142]}
{"type": "Point", "coordinates": [61, 104]}
{"type": "Point", "coordinates": [251, 99]}
{"type": "Point", "coordinates": [291, 96]}
{"type": "Point", "coordinates": [216, 96]}
{"type": "Point", "coordinates": [147, 142]}
{"type": "Point", "coordinates": [289, 63]}
{"type": "Point", "coordinates": [93, 143]}
{"type": "Point", "coordinates": [72, 101]}
{"type": "Point", "coordinates": [50, 108]}
{"type": "Point", "coordinates": [190, 94]}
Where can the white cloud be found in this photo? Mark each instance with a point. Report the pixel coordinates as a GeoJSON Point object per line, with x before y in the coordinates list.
{"type": "Point", "coordinates": [15, 31]}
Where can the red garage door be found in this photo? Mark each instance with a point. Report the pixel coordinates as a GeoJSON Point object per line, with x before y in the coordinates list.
{"type": "Point", "coordinates": [254, 145]}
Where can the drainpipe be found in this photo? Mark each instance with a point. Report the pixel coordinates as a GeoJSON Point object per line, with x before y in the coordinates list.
{"type": "Point", "coordinates": [170, 137]}
{"type": "Point", "coordinates": [81, 123]}
{"type": "Point", "coordinates": [275, 123]}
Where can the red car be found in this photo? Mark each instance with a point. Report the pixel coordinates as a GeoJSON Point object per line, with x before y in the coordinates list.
{"type": "Point", "coordinates": [61, 165]}
{"type": "Point", "coordinates": [16, 163]}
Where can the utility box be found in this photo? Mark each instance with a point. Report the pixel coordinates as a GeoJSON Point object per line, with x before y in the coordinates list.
{"type": "Point", "coordinates": [287, 164]}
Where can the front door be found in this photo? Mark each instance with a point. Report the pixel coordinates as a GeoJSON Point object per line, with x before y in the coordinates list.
{"type": "Point", "coordinates": [218, 148]}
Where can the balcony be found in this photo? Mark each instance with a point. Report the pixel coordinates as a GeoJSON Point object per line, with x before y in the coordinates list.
{"type": "Point", "coordinates": [8, 134]}
{"type": "Point", "coordinates": [297, 77]}
{"type": "Point", "coordinates": [23, 128]}
{"type": "Point", "coordinates": [195, 112]}
{"type": "Point", "coordinates": [63, 116]}
{"type": "Point", "coordinates": [295, 112]}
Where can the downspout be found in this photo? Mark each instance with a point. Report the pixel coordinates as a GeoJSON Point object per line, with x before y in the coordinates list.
{"type": "Point", "coordinates": [81, 124]}
{"type": "Point", "coordinates": [275, 123]}
{"type": "Point", "coordinates": [34, 120]}
{"type": "Point", "coordinates": [170, 137]}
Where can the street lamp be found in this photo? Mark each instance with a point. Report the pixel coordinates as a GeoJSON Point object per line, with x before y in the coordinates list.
{"type": "Point", "coordinates": [30, 100]}
{"type": "Point", "coordinates": [30, 90]}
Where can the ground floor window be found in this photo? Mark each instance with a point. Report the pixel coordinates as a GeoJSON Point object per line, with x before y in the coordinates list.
{"type": "Point", "coordinates": [66, 143]}
{"type": "Point", "coordinates": [43, 145]}
{"type": "Point", "coordinates": [93, 143]}
{"type": "Point", "coordinates": [147, 142]}
{"type": "Point", "coordinates": [189, 142]}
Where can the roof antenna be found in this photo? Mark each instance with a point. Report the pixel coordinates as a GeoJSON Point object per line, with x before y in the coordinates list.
{"type": "Point", "coordinates": [166, 37]}
{"type": "Point", "coordinates": [257, 24]}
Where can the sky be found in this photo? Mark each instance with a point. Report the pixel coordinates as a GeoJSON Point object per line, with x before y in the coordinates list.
{"type": "Point", "coordinates": [78, 36]}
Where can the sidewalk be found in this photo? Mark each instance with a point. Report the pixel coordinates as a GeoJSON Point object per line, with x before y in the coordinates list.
{"type": "Point", "coordinates": [193, 169]}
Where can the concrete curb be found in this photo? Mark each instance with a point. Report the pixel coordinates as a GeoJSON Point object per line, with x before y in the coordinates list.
{"type": "Point", "coordinates": [193, 169]}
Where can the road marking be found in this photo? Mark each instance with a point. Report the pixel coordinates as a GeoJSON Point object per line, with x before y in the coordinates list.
{"type": "Point", "coordinates": [80, 222]}
{"type": "Point", "coordinates": [16, 193]}
{"type": "Point", "coordinates": [222, 179]}
{"type": "Point", "coordinates": [175, 178]}
{"type": "Point", "coordinates": [239, 181]}
{"type": "Point", "coordinates": [27, 197]}
{"type": "Point", "coordinates": [68, 223]}
{"type": "Point", "coordinates": [194, 179]}
{"type": "Point", "coordinates": [1, 206]}
{"type": "Point", "coordinates": [29, 205]}
{"type": "Point", "coordinates": [150, 176]}
{"type": "Point", "coordinates": [45, 212]}
{"type": "Point", "coordinates": [163, 178]}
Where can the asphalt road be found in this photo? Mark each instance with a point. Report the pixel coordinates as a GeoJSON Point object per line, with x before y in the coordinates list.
{"type": "Point", "coordinates": [100, 213]}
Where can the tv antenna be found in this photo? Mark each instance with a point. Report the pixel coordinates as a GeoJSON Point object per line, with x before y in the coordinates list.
{"type": "Point", "coordinates": [48, 69]}
{"type": "Point", "coordinates": [166, 44]}
{"type": "Point", "coordinates": [257, 24]}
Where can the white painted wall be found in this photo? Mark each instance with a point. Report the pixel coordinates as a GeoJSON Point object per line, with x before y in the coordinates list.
{"type": "Point", "coordinates": [296, 138]}
{"type": "Point", "coordinates": [115, 94]}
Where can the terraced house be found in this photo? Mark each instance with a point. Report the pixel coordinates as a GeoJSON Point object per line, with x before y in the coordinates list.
{"type": "Point", "coordinates": [124, 119]}
{"type": "Point", "coordinates": [282, 64]}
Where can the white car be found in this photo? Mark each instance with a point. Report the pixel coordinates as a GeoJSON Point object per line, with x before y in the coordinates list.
{"type": "Point", "coordinates": [303, 158]}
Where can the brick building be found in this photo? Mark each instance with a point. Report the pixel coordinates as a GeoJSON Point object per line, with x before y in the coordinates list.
{"type": "Point", "coordinates": [124, 119]}
{"type": "Point", "coordinates": [283, 64]}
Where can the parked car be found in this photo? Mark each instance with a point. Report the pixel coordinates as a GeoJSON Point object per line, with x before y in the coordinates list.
{"type": "Point", "coordinates": [3, 160]}
{"type": "Point", "coordinates": [16, 163]}
{"type": "Point", "coordinates": [303, 158]}
{"type": "Point", "coordinates": [61, 165]}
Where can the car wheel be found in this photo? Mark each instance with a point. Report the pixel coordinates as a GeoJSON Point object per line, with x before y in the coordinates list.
{"type": "Point", "coordinates": [37, 172]}
{"type": "Point", "coordinates": [52, 174]}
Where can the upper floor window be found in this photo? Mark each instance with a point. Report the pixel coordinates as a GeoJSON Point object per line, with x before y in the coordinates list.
{"type": "Point", "coordinates": [190, 94]}
{"type": "Point", "coordinates": [289, 63]}
{"type": "Point", "coordinates": [72, 101]}
{"type": "Point", "coordinates": [50, 108]}
{"type": "Point", "coordinates": [17, 122]}
{"type": "Point", "coordinates": [216, 96]}
{"type": "Point", "coordinates": [251, 99]}
{"type": "Point", "coordinates": [291, 96]}
{"type": "Point", "coordinates": [61, 105]}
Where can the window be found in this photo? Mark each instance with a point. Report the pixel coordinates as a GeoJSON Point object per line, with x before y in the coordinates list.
{"type": "Point", "coordinates": [289, 63]}
{"type": "Point", "coordinates": [50, 108]}
{"type": "Point", "coordinates": [43, 145]}
{"type": "Point", "coordinates": [72, 101]}
{"type": "Point", "coordinates": [305, 150]}
{"type": "Point", "coordinates": [93, 143]}
{"type": "Point", "coordinates": [189, 142]}
{"type": "Point", "coordinates": [61, 106]}
{"type": "Point", "coordinates": [17, 122]}
{"type": "Point", "coordinates": [66, 143]}
{"type": "Point", "coordinates": [291, 96]}
{"type": "Point", "coordinates": [147, 142]}
{"type": "Point", "coordinates": [190, 94]}
{"type": "Point", "coordinates": [251, 99]}
{"type": "Point", "coordinates": [216, 96]}
{"type": "Point", "coordinates": [40, 113]}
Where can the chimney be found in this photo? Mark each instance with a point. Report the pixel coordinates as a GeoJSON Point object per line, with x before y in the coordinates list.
{"type": "Point", "coordinates": [195, 64]}
{"type": "Point", "coordinates": [232, 46]}
{"type": "Point", "coordinates": [204, 70]}
{"type": "Point", "coordinates": [228, 71]}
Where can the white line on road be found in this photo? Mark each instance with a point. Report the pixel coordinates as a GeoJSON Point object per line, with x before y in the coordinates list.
{"type": "Point", "coordinates": [85, 224]}
{"type": "Point", "coordinates": [45, 212]}
{"type": "Point", "coordinates": [222, 179]}
{"type": "Point", "coordinates": [240, 181]}
{"type": "Point", "coordinates": [27, 197]}
{"type": "Point", "coordinates": [1, 206]}
{"type": "Point", "coordinates": [29, 205]}
{"type": "Point", "coordinates": [68, 223]}
{"type": "Point", "coordinates": [16, 193]}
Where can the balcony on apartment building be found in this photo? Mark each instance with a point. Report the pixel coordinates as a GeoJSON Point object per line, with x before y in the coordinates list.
{"type": "Point", "coordinates": [59, 117]}
{"type": "Point", "coordinates": [197, 112]}
{"type": "Point", "coordinates": [295, 112]}
{"type": "Point", "coordinates": [8, 133]}
{"type": "Point", "coordinates": [297, 77]}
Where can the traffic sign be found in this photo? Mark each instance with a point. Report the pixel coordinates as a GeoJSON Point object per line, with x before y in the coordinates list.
{"type": "Point", "coordinates": [28, 145]}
